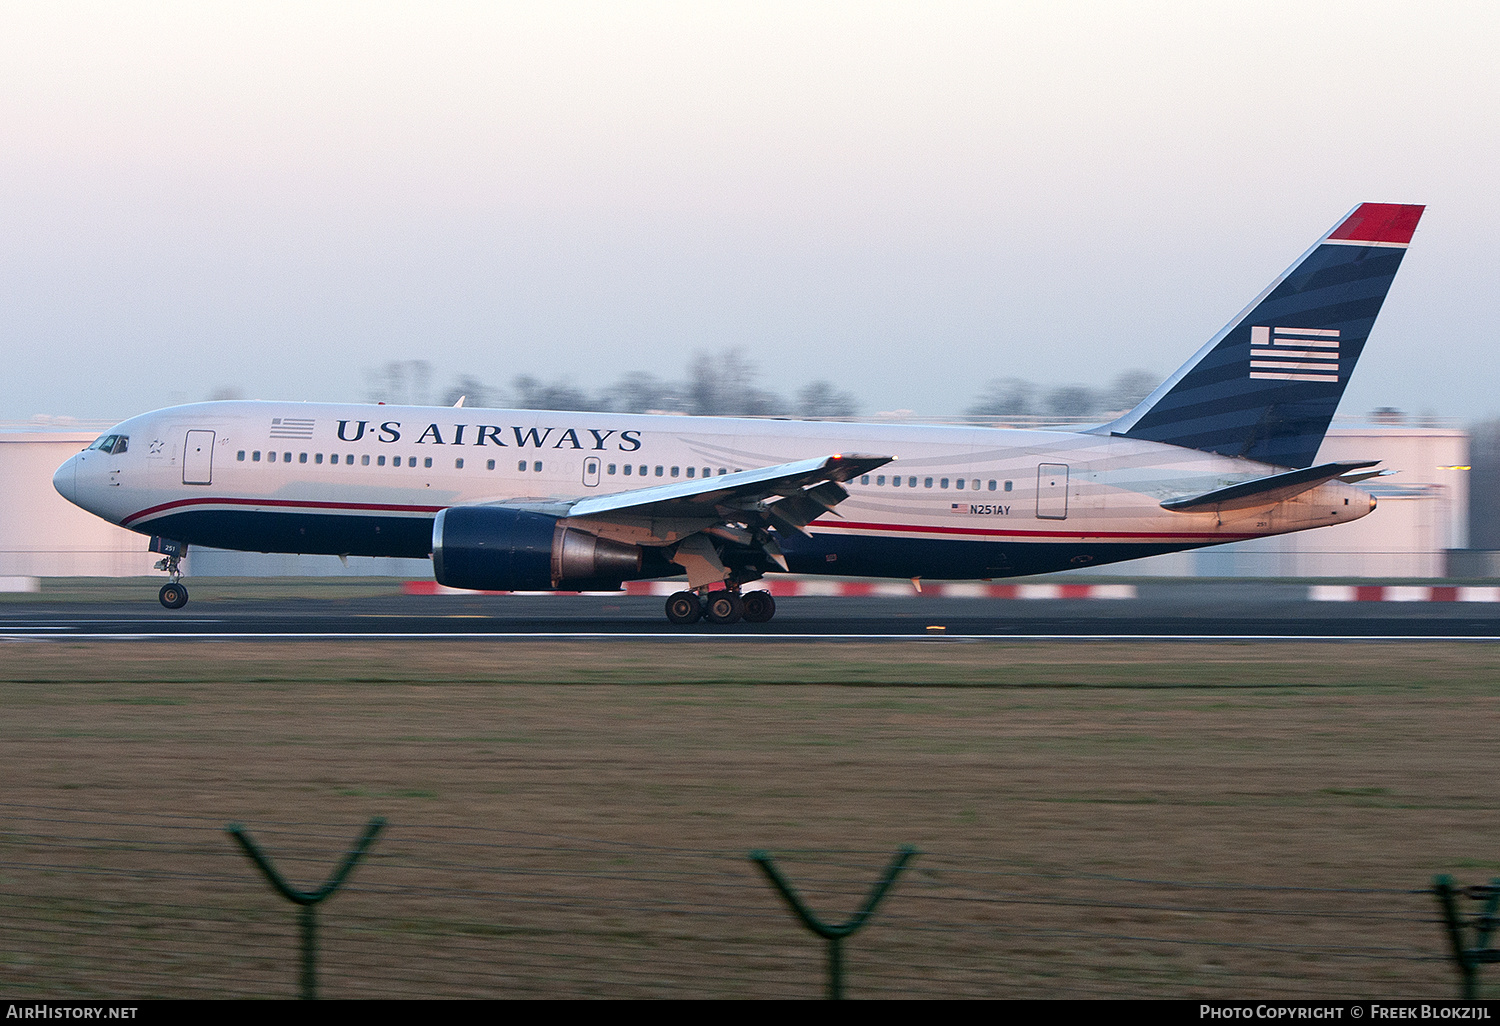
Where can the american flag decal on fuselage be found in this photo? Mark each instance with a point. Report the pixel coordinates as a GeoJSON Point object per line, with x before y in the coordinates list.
{"type": "Point", "coordinates": [292, 427]}
{"type": "Point", "coordinates": [1294, 354]}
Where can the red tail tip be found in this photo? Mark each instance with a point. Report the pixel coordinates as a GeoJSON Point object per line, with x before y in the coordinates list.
{"type": "Point", "coordinates": [1380, 222]}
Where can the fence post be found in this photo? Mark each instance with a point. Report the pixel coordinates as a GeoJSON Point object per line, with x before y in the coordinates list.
{"type": "Point", "coordinates": [1468, 958]}
{"type": "Point", "coordinates": [307, 900]}
{"type": "Point", "coordinates": [834, 935]}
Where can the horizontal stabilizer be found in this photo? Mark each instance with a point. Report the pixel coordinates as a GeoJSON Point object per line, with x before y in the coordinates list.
{"type": "Point", "coordinates": [1265, 491]}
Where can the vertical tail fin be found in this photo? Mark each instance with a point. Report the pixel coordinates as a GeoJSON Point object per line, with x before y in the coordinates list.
{"type": "Point", "coordinates": [1267, 385]}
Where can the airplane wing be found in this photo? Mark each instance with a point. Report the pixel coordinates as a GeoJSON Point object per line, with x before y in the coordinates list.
{"type": "Point", "coordinates": [1266, 491]}
{"type": "Point", "coordinates": [700, 519]}
{"type": "Point", "coordinates": [805, 486]}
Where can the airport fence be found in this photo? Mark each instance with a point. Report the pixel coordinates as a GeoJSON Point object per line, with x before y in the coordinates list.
{"type": "Point", "coordinates": [102, 905]}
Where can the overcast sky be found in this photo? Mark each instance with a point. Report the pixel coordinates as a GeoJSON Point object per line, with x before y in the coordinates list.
{"type": "Point", "coordinates": [905, 199]}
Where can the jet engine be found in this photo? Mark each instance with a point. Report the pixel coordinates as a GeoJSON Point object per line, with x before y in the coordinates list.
{"type": "Point", "coordinates": [493, 548]}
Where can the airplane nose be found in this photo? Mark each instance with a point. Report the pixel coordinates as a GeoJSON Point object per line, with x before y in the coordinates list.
{"type": "Point", "coordinates": [66, 479]}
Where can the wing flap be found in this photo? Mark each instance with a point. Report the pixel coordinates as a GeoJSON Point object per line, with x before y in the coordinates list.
{"type": "Point", "coordinates": [807, 484]}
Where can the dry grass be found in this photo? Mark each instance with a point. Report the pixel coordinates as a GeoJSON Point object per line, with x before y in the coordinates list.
{"type": "Point", "coordinates": [1329, 766]}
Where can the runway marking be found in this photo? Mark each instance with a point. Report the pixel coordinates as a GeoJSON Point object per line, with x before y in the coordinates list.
{"type": "Point", "coordinates": [706, 637]}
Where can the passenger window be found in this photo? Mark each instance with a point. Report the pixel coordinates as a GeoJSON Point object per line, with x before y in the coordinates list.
{"type": "Point", "coordinates": [286, 457]}
{"type": "Point", "coordinates": [708, 471]}
{"type": "Point", "coordinates": [627, 469]}
{"type": "Point", "coordinates": [943, 483]}
{"type": "Point", "coordinates": [317, 457]}
{"type": "Point", "coordinates": [270, 457]}
{"type": "Point", "coordinates": [644, 468]}
{"type": "Point", "coordinates": [537, 467]}
{"type": "Point", "coordinates": [364, 461]}
{"type": "Point", "coordinates": [240, 455]}
{"type": "Point", "coordinates": [895, 482]}
{"type": "Point", "coordinates": [658, 470]}
{"type": "Point", "coordinates": [975, 485]}
{"type": "Point", "coordinates": [911, 482]}
{"type": "Point", "coordinates": [490, 465]}
{"type": "Point", "coordinates": [610, 469]}
{"type": "Point", "coordinates": [411, 461]}
{"type": "Point", "coordinates": [380, 461]}
{"type": "Point", "coordinates": [302, 457]}
{"type": "Point", "coordinates": [880, 480]}
{"type": "Point", "coordinates": [521, 466]}
{"type": "Point", "coordinates": [674, 471]}
{"type": "Point", "coordinates": [458, 464]}
{"type": "Point", "coordinates": [1007, 486]}
{"type": "Point", "coordinates": [959, 484]}
{"type": "Point", "coordinates": [691, 471]}
{"type": "Point", "coordinates": [255, 456]}
{"type": "Point", "coordinates": [865, 479]}
{"type": "Point", "coordinates": [722, 471]}
{"type": "Point", "coordinates": [427, 462]}
{"type": "Point", "coordinates": [349, 460]}
{"type": "Point", "coordinates": [927, 483]}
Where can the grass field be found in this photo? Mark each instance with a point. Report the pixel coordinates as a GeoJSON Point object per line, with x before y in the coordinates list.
{"type": "Point", "coordinates": [1356, 771]}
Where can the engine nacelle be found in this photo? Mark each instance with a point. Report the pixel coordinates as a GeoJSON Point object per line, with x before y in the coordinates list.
{"type": "Point", "coordinates": [492, 548]}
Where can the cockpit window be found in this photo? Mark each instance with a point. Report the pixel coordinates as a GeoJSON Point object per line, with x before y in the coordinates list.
{"type": "Point", "coordinates": [113, 444]}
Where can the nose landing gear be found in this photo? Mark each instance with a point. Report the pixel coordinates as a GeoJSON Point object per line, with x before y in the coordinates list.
{"type": "Point", "coordinates": [172, 595]}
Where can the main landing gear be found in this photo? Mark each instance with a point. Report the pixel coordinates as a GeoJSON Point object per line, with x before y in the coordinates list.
{"type": "Point", "coordinates": [721, 607]}
{"type": "Point", "coordinates": [173, 595]}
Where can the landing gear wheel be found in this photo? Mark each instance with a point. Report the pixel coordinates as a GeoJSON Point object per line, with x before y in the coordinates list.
{"type": "Point", "coordinates": [724, 607]}
{"type": "Point", "coordinates": [173, 596]}
{"type": "Point", "coordinates": [759, 606]}
{"type": "Point", "coordinates": [684, 608]}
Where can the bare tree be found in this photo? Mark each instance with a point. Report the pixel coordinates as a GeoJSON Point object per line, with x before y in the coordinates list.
{"type": "Point", "coordinates": [821, 399]}
{"type": "Point", "coordinates": [400, 381]}
{"type": "Point", "coordinates": [1004, 397]}
{"type": "Point", "coordinates": [1129, 388]}
{"type": "Point", "coordinates": [640, 392]}
{"type": "Point", "coordinates": [470, 389]}
{"type": "Point", "coordinates": [532, 394]}
{"type": "Point", "coordinates": [1072, 401]}
{"type": "Point", "coordinates": [723, 385]}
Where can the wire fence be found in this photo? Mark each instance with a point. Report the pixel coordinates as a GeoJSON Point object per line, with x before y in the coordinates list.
{"type": "Point", "coordinates": [102, 905]}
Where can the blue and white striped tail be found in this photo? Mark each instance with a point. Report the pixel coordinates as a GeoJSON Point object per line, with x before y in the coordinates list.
{"type": "Point", "coordinates": [1266, 386]}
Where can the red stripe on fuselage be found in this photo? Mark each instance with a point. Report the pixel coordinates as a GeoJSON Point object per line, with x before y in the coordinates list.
{"type": "Point", "coordinates": [986, 532]}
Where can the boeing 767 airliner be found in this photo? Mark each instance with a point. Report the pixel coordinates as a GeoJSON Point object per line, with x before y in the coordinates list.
{"type": "Point", "coordinates": [513, 500]}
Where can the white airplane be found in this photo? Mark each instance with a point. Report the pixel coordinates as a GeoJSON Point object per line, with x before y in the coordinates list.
{"type": "Point", "coordinates": [512, 500]}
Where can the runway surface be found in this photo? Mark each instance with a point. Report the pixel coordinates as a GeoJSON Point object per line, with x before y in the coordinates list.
{"type": "Point", "coordinates": [1183, 611]}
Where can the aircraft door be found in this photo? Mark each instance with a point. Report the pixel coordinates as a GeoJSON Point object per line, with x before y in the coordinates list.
{"type": "Point", "coordinates": [1052, 491]}
{"type": "Point", "coordinates": [591, 471]}
{"type": "Point", "coordinates": [198, 458]}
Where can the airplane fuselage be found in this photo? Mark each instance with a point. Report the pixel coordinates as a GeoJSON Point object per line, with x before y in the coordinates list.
{"type": "Point", "coordinates": [954, 503]}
